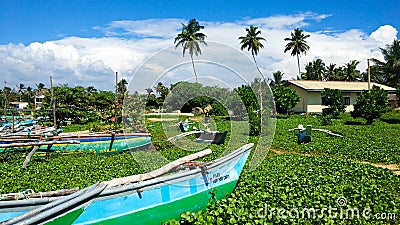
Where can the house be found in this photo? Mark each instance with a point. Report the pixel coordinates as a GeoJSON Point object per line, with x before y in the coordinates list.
{"type": "Point", "coordinates": [39, 99]}
{"type": "Point", "coordinates": [310, 93]}
{"type": "Point", "coordinates": [19, 105]}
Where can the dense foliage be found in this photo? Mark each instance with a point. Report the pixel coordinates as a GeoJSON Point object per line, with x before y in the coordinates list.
{"type": "Point", "coordinates": [389, 69]}
{"type": "Point", "coordinates": [62, 171]}
{"type": "Point", "coordinates": [285, 99]}
{"type": "Point", "coordinates": [282, 181]}
{"type": "Point", "coordinates": [295, 183]}
{"type": "Point", "coordinates": [332, 98]}
{"type": "Point", "coordinates": [373, 143]}
{"type": "Point", "coordinates": [371, 104]}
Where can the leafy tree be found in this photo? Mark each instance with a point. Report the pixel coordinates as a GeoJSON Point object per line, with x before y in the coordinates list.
{"type": "Point", "coordinates": [332, 98]}
{"type": "Point", "coordinates": [104, 103]}
{"type": "Point", "coordinates": [73, 103]}
{"type": "Point", "coordinates": [190, 38]}
{"type": "Point", "coordinates": [297, 44]}
{"type": "Point", "coordinates": [285, 99]}
{"type": "Point", "coordinates": [371, 104]}
{"type": "Point", "coordinates": [389, 69]}
{"type": "Point", "coordinates": [398, 92]}
{"type": "Point", "coordinates": [162, 90]}
{"type": "Point", "coordinates": [252, 41]}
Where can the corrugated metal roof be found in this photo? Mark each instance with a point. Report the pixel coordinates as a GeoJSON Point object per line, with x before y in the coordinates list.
{"type": "Point", "coordinates": [316, 85]}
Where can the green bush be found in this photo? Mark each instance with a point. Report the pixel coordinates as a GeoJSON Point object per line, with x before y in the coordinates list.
{"type": "Point", "coordinates": [391, 117]}
{"type": "Point", "coordinates": [371, 104]}
{"type": "Point", "coordinates": [333, 98]}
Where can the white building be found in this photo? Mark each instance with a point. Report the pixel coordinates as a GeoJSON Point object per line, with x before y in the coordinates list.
{"type": "Point", "coordinates": [310, 93]}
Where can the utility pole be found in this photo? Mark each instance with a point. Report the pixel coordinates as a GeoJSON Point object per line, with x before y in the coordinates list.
{"type": "Point", "coordinates": [369, 75]}
{"type": "Point", "coordinates": [54, 103]}
{"type": "Point", "coordinates": [5, 101]}
{"type": "Point", "coordinates": [116, 101]}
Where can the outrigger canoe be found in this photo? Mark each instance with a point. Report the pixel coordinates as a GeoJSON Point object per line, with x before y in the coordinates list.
{"type": "Point", "coordinates": [140, 199]}
{"type": "Point", "coordinates": [102, 144]}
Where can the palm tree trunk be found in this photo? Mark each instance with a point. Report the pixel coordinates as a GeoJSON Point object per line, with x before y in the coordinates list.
{"type": "Point", "coordinates": [260, 93]}
{"type": "Point", "coordinates": [298, 64]}
{"type": "Point", "coordinates": [194, 69]}
{"type": "Point", "coordinates": [262, 75]}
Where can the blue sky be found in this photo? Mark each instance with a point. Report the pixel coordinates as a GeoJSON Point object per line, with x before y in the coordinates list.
{"type": "Point", "coordinates": [35, 34]}
{"type": "Point", "coordinates": [29, 21]}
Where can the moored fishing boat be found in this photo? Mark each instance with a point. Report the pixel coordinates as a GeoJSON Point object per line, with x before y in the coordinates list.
{"type": "Point", "coordinates": [102, 144]}
{"type": "Point", "coordinates": [140, 199]}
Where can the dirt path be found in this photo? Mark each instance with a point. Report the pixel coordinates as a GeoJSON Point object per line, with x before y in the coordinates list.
{"type": "Point", "coordinates": [392, 167]}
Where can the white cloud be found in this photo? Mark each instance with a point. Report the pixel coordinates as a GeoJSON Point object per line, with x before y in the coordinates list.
{"type": "Point", "coordinates": [93, 61]}
{"type": "Point", "coordinates": [162, 28]}
{"type": "Point", "coordinates": [384, 34]}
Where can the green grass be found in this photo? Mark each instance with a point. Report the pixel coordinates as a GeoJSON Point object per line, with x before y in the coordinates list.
{"type": "Point", "coordinates": [62, 171]}
{"type": "Point", "coordinates": [378, 143]}
{"type": "Point", "coordinates": [294, 182]}
{"type": "Point", "coordinates": [281, 181]}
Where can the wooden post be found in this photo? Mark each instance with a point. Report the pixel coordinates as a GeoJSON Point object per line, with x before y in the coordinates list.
{"type": "Point", "coordinates": [369, 76]}
{"type": "Point", "coordinates": [12, 120]}
{"type": "Point", "coordinates": [54, 103]}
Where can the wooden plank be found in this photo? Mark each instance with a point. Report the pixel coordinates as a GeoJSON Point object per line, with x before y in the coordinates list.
{"type": "Point", "coordinates": [38, 143]}
{"type": "Point", "coordinates": [54, 193]}
{"type": "Point", "coordinates": [58, 193]}
{"type": "Point", "coordinates": [28, 158]}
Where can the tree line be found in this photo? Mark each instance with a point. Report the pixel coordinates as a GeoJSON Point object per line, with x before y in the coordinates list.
{"type": "Point", "coordinates": [88, 104]}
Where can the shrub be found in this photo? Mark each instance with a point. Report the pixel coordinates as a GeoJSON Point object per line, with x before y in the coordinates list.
{"type": "Point", "coordinates": [391, 117]}
{"type": "Point", "coordinates": [371, 104]}
{"type": "Point", "coordinates": [285, 99]}
{"type": "Point", "coordinates": [333, 98]}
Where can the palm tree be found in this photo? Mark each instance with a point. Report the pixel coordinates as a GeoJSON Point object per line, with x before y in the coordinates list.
{"type": "Point", "coordinates": [315, 70]}
{"type": "Point", "coordinates": [121, 86]}
{"type": "Point", "coordinates": [319, 69]}
{"type": "Point", "coordinates": [297, 44]}
{"type": "Point", "coordinates": [252, 41]}
{"type": "Point", "coordinates": [277, 79]}
{"type": "Point", "coordinates": [39, 88]}
{"type": "Point", "coordinates": [190, 38]}
{"type": "Point", "coordinates": [29, 92]}
{"type": "Point", "coordinates": [350, 71]}
{"type": "Point", "coordinates": [21, 90]}
{"type": "Point", "coordinates": [390, 68]}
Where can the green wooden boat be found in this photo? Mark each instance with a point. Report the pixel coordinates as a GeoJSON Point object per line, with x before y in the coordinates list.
{"type": "Point", "coordinates": [139, 199]}
{"type": "Point", "coordinates": [102, 144]}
